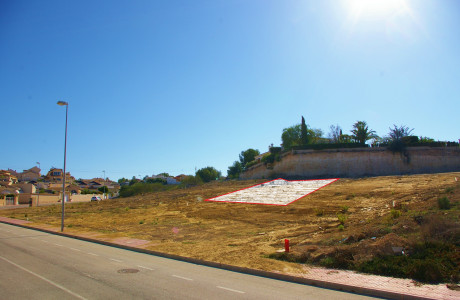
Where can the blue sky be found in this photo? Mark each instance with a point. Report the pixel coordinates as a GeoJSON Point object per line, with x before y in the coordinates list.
{"type": "Point", "coordinates": [170, 86]}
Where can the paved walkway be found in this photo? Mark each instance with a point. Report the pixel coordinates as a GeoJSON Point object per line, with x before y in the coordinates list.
{"type": "Point", "coordinates": [382, 283]}
{"type": "Point", "coordinates": [405, 287]}
{"type": "Point", "coordinates": [275, 192]}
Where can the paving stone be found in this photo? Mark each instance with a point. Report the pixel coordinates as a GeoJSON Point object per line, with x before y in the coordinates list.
{"type": "Point", "coordinates": [275, 192]}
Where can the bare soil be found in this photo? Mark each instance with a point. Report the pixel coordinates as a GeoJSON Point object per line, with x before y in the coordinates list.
{"type": "Point", "coordinates": [180, 222]}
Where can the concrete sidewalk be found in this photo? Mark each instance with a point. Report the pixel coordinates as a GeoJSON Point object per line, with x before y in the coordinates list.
{"type": "Point", "coordinates": [349, 281]}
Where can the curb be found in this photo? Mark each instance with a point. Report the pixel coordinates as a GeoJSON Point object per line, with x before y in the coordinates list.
{"type": "Point", "coordinates": [272, 275]}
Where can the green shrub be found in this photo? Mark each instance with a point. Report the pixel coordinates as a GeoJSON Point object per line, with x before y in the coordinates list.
{"type": "Point", "coordinates": [430, 262]}
{"type": "Point", "coordinates": [341, 227]}
{"type": "Point", "coordinates": [156, 180]}
{"type": "Point", "coordinates": [342, 218]}
{"type": "Point", "coordinates": [444, 203]}
{"type": "Point", "coordinates": [191, 181]}
{"type": "Point", "coordinates": [345, 209]}
{"type": "Point", "coordinates": [252, 163]}
{"type": "Point", "coordinates": [319, 212]}
{"type": "Point", "coordinates": [450, 190]}
{"type": "Point", "coordinates": [143, 188]}
{"type": "Point", "coordinates": [208, 174]}
{"type": "Point", "coordinates": [271, 158]}
{"type": "Point", "coordinates": [329, 146]}
{"type": "Point", "coordinates": [395, 213]}
{"type": "Point", "coordinates": [327, 262]}
{"type": "Point", "coordinates": [286, 257]}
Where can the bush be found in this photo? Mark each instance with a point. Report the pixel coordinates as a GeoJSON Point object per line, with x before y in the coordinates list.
{"type": "Point", "coordinates": [342, 218]}
{"type": "Point", "coordinates": [143, 188]}
{"type": "Point", "coordinates": [329, 146]}
{"type": "Point", "coordinates": [395, 213]}
{"type": "Point", "coordinates": [191, 181]}
{"type": "Point", "coordinates": [319, 212]}
{"type": "Point", "coordinates": [430, 262]}
{"type": "Point", "coordinates": [444, 203]}
{"type": "Point", "coordinates": [156, 180]}
{"type": "Point", "coordinates": [86, 192]}
{"type": "Point", "coordinates": [250, 164]}
{"type": "Point", "coordinates": [340, 259]}
{"type": "Point", "coordinates": [208, 174]}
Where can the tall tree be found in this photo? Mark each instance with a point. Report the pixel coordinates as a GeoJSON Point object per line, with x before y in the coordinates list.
{"type": "Point", "coordinates": [396, 137]}
{"type": "Point", "coordinates": [361, 132]}
{"type": "Point", "coordinates": [397, 133]}
{"type": "Point", "coordinates": [248, 156]}
{"type": "Point", "coordinates": [235, 170]}
{"type": "Point", "coordinates": [315, 136]}
{"type": "Point", "coordinates": [335, 133]}
{"type": "Point", "coordinates": [208, 174]}
{"type": "Point", "coordinates": [291, 136]}
{"type": "Point", "coordinates": [303, 132]}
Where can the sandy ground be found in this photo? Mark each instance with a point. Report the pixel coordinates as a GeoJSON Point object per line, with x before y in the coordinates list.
{"type": "Point", "coordinates": [180, 222]}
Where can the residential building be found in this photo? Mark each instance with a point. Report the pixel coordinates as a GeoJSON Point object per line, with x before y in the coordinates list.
{"type": "Point", "coordinates": [6, 178]}
{"type": "Point", "coordinates": [55, 175]}
{"type": "Point", "coordinates": [32, 174]}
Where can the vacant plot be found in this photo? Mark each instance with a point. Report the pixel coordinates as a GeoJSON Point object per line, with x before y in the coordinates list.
{"type": "Point", "coordinates": [364, 217]}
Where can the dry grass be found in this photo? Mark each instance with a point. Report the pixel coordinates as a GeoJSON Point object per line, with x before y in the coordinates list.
{"type": "Point", "coordinates": [179, 222]}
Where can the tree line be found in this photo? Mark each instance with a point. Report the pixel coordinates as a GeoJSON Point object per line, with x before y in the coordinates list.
{"type": "Point", "coordinates": [137, 186]}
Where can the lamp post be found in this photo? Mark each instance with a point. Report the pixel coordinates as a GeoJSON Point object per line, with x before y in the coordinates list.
{"type": "Point", "coordinates": [63, 103]}
{"type": "Point", "coordinates": [38, 194]}
{"type": "Point", "coordinates": [103, 193]}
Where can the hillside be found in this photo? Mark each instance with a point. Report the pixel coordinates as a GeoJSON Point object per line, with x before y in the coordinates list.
{"type": "Point", "coordinates": [352, 223]}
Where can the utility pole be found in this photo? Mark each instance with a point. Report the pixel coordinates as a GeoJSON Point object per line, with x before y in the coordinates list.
{"type": "Point", "coordinates": [38, 186]}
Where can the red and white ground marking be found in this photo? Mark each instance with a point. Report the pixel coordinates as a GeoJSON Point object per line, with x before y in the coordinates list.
{"type": "Point", "coordinates": [275, 192]}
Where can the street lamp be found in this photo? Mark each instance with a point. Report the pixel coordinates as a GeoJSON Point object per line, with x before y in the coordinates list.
{"type": "Point", "coordinates": [63, 103]}
{"type": "Point", "coordinates": [103, 193]}
{"type": "Point", "coordinates": [38, 185]}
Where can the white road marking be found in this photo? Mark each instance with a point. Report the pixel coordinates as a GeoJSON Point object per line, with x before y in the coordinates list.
{"type": "Point", "coordinates": [45, 279]}
{"type": "Point", "coordinates": [59, 245]}
{"type": "Point", "coordinates": [74, 249]}
{"type": "Point", "coordinates": [145, 268]}
{"type": "Point", "coordinates": [231, 290]}
{"type": "Point", "coordinates": [44, 241]}
{"type": "Point", "coordinates": [185, 278]}
{"type": "Point", "coordinates": [116, 260]}
{"type": "Point", "coordinates": [92, 253]}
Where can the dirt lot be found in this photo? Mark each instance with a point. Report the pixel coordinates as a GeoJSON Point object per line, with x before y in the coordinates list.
{"type": "Point", "coordinates": [180, 222]}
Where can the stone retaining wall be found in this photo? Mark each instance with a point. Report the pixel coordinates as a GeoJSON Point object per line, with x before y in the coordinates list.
{"type": "Point", "coordinates": [358, 162]}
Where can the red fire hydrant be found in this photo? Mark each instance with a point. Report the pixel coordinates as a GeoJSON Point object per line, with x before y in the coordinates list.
{"type": "Point", "coordinates": [286, 245]}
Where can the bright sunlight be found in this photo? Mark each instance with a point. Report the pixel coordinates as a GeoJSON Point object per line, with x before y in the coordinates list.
{"type": "Point", "coordinates": [376, 8]}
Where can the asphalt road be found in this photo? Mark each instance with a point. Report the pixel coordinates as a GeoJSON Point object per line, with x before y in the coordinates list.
{"type": "Point", "coordinates": [37, 265]}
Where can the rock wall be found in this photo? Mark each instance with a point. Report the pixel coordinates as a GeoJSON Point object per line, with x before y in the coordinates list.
{"type": "Point", "coordinates": [358, 162]}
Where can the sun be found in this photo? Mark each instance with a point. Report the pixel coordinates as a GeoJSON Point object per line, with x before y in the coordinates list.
{"type": "Point", "coordinates": [375, 8]}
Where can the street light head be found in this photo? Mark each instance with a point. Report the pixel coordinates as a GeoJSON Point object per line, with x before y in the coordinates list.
{"type": "Point", "coordinates": [62, 103]}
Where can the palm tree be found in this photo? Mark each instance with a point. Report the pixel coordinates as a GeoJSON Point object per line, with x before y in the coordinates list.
{"type": "Point", "coordinates": [361, 132]}
{"type": "Point", "coordinates": [397, 133]}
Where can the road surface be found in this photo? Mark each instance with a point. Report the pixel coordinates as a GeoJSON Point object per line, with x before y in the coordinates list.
{"type": "Point", "coordinates": [37, 265]}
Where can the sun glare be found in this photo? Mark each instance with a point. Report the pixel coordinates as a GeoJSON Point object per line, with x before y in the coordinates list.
{"type": "Point", "coordinates": [375, 8]}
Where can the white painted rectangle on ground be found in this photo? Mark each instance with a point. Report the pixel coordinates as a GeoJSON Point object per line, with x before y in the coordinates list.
{"type": "Point", "coordinates": [275, 192]}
